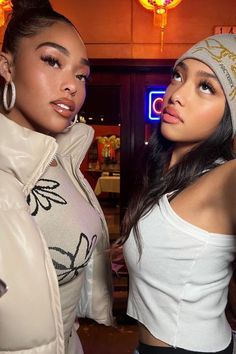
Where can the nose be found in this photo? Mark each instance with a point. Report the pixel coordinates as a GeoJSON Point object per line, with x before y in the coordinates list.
{"type": "Point", "coordinates": [71, 90]}
{"type": "Point", "coordinates": [181, 94]}
{"type": "Point", "coordinates": [70, 85]}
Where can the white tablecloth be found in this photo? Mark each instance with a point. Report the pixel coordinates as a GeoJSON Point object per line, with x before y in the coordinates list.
{"type": "Point", "coordinates": [109, 184]}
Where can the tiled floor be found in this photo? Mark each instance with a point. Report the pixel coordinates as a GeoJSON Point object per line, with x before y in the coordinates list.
{"type": "Point", "coordinates": [99, 339]}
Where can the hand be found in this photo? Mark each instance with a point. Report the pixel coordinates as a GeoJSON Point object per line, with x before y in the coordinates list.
{"type": "Point", "coordinates": [118, 262]}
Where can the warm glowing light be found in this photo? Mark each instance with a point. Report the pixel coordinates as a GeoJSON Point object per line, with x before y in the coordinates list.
{"type": "Point", "coordinates": [169, 4]}
{"type": "Point", "coordinates": [5, 6]}
{"type": "Point", "coordinates": [160, 8]}
{"type": "Point", "coordinates": [161, 11]}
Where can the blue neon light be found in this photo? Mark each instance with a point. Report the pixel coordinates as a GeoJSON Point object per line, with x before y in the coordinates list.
{"type": "Point", "coordinates": [154, 98]}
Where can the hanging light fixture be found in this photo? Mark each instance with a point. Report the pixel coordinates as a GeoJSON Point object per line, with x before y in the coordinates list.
{"type": "Point", "coordinates": [160, 8]}
{"type": "Point", "coordinates": [5, 7]}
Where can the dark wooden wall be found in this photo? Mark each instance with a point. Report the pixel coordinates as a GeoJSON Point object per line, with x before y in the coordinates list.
{"type": "Point", "coordinates": [116, 92]}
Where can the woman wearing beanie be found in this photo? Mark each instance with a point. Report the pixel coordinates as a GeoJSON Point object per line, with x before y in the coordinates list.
{"type": "Point", "coordinates": [179, 232]}
{"type": "Point", "coordinates": [54, 263]}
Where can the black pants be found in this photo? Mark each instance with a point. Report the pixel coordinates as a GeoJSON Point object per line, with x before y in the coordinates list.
{"type": "Point", "coordinates": [149, 349]}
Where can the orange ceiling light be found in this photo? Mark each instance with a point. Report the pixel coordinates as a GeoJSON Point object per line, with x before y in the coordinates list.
{"type": "Point", "coordinates": [160, 8]}
{"type": "Point", "coordinates": [5, 7]}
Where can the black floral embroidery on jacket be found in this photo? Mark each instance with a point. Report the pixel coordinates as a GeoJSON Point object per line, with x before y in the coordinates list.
{"type": "Point", "coordinates": [72, 263]}
{"type": "Point", "coordinates": [43, 195]}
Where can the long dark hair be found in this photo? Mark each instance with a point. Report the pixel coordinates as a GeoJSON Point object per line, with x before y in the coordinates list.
{"type": "Point", "coordinates": [156, 180]}
{"type": "Point", "coordinates": [27, 19]}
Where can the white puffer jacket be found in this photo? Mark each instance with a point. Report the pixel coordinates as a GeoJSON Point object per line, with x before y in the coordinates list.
{"type": "Point", "coordinates": [30, 312]}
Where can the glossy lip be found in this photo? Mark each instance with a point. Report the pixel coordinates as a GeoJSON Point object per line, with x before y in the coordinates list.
{"type": "Point", "coordinates": [172, 112]}
{"type": "Point", "coordinates": [63, 111]}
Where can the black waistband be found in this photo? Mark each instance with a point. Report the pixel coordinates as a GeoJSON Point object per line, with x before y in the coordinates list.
{"type": "Point", "coordinates": [149, 349]}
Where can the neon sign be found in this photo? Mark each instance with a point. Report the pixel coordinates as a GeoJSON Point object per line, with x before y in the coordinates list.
{"type": "Point", "coordinates": [155, 100]}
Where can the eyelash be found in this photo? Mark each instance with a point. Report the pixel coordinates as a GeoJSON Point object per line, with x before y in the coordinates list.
{"type": "Point", "coordinates": [174, 72]}
{"type": "Point", "coordinates": [53, 61]}
{"type": "Point", "coordinates": [82, 77]}
{"type": "Point", "coordinates": [208, 85]}
{"type": "Point", "coordinates": [202, 82]}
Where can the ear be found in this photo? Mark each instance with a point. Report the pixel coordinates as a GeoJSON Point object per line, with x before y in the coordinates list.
{"type": "Point", "coordinates": [6, 61]}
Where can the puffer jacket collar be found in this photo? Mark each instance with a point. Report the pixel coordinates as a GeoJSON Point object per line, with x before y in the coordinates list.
{"type": "Point", "coordinates": [26, 154]}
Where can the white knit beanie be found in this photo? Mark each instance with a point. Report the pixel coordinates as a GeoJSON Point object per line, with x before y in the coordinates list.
{"type": "Point", "coordinates": [219, 53]}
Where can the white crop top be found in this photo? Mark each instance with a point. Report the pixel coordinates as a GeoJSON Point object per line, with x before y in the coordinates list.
{"type": "Point", "coordinates": [178, 289]}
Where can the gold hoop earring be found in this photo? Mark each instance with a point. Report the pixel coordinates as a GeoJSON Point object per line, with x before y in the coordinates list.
{"type": "Point", "coordinates": [13, 96]}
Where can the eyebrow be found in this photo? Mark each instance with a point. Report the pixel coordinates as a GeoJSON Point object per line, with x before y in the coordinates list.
{"type": "Point", "coordinates": [61, 49]}
{"type": "Point", "coordinates": [85, 62]}
{"type": "Point", "coordinates": [54, 45]}
{"type": "Point", "coordinates": [200, 73]}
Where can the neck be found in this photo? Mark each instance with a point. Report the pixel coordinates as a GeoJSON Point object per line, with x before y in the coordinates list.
{"type": "Point", "coordinates": [179, 151]}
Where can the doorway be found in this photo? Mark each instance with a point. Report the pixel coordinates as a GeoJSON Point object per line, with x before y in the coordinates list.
{"type": "Point", "coordinates": [115, 105]}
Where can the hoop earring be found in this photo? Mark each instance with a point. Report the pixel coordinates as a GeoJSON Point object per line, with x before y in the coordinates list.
{"type": "Point", "coordinates": [13, 96]}
{"type": "Point", "coordinates": [75, 120]}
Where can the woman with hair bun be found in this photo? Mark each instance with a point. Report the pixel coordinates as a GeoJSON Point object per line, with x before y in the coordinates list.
{"type": "Point", "coordinates": [53, 235]}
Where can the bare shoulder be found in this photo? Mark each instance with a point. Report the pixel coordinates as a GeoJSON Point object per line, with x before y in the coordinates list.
{"type": "Point", "coordinates": [223, 172]}
{"type": "Point", "coordinates": [220, 177]}
{"type": "Point", "coordinates": [218, 187]}
{"type": "Point", "coordinates": [210, 202]}
{"type": "Point", "coordinates": [217, 191]}
{"type": "Point", "coordinates": [227, 173]}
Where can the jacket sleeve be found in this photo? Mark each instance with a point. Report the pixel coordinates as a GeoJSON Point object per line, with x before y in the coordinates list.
{"type": "Point", "coordinates": [30, 315]}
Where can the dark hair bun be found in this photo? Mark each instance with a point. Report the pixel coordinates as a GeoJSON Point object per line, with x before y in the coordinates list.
{"type": "Point", "coordinates": [20, 6]}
